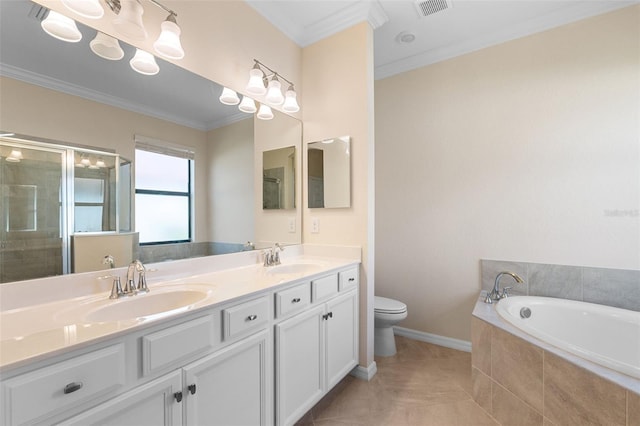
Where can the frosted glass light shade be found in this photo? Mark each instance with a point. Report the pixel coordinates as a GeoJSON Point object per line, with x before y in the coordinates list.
{"type": "Point", "coordinates": [61, 27]}
{"type": "Point", "coordinates": [265, 113]}
{"type": "Point", "coordinates": [256, 85]}
{"type": "Point", "coordinates": [229, 97]}
{"type": "Point", "coordinates": [144, 63]}
{"type": "Point", "coordinates": [106, 47]}
{"type": "Point", "coordinates": [247, 105]}
{"type": "Point", "coordinates": [274, 93]}
{"type": "Point", "coordinates": [91, 9]}
{"type": "Point", "coordinates": [168, 43]}
{"type": "Point", "coordinates": [290, 102]}
{"type": "Point", "coordinates": [129, 20]}
{"type": "Point", "coordinates": [15, 156]}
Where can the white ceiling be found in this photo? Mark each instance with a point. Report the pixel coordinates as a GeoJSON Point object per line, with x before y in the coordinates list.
{"type": "Point", "coordinates": [28, 54]}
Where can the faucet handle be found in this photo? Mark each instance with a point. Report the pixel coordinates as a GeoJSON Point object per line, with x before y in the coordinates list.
{"type": "Point", "coordinates": [116, 289]}
{"type": "Point", "coordinates": [505, 292]}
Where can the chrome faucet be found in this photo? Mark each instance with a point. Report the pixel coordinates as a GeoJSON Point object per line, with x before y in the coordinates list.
{"type": "Point", "coordinates": [130, 287]}
{"type": "Point", "coordinates": [272, 255]}
{"type": "Point", "coordinates": [495, 293]}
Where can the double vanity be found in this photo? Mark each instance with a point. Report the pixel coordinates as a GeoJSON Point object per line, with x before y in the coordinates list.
{"type": "Point", "coordinates": [218, 340]}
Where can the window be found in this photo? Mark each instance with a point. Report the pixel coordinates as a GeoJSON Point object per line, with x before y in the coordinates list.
{"type": "Point", "coordinates": [163, 194]}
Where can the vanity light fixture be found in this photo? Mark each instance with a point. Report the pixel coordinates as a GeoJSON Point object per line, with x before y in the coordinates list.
{"type": "Point", "coordinates": [91, 9]}
{"type": "Point", "coordinates": [106, 47]}
{"type": "Point", "coordinates": [168, 43]}
{"type": "Point", "coordinates": [229, 97]}
{"type": "Point", "coordinates": [144, 63]}
{"type": "Point", "coordinates": [265, 113]}
{"type": "Point", "coordinates": [247, 105]}
{"type": "Point", "coordinates": [261, 83]}
{"type": "Point", "coordinates": [15, 156]}
{"type": "Point", "coordinates": [129, 19]}
{"type": "Point", "coordinates": [100, 163]}
{"type": "Point", "coordinates": [59, 26]}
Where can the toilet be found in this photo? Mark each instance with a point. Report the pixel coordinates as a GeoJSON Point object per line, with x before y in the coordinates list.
{"type": "Point", "coordinates": [387, 313]}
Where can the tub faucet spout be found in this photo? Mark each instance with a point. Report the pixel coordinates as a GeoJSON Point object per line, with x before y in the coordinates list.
{"type": "Point", "coordinates": [496, 294]}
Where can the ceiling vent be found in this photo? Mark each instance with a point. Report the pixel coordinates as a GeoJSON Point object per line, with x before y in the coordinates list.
{"type": "Point", "coordinates": [429, 7]}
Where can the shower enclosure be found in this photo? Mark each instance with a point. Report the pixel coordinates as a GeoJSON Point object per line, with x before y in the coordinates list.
{"type": "Point", "coordinates": [48, 192]}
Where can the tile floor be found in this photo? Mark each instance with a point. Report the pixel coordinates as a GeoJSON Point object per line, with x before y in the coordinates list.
{"type": "Point", "coordinates": [422, 385]}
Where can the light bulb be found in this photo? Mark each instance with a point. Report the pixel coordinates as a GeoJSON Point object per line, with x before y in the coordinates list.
{"type": "Point", "coordinates": [87, 8]}
{"type": "Point", "coordinates": [247, 105]}
{"type": "Point", "coordinates": [168, 43]}
{"type": "Point", "coordinates": [274, 93]}
{"type": "Point", "coordinates": [290, 102]}
{"type": "Point", "coordinates": [229, 97]}
{"type": "Point", "coordinates": [256, 84]}
{"type": "Point", "coordinates": [106, 47]}
{"type": "Point", "coordinates": [129, 20]}
{"type": "Point", "coordinates": [144, 63]}
{"type": "Point", "coordinates": [61, 27]}
{"type": "Point", "coordinates": [265, 113]}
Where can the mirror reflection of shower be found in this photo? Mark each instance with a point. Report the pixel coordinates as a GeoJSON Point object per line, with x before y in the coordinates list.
{"type": "Point", "coordinates": [50, 191]}
{"type": "Point", "coordinates": [278, 179]}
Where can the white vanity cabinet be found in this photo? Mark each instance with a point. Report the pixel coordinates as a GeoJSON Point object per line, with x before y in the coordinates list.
{"type": "Point", "coordinates": [315, 349]}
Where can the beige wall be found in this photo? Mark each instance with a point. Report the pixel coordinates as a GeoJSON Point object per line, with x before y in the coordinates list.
{"type": "Point", "coordinates": [523, 151]}
{"type": "Point", "coordinates": [230, 178]}
{"type": "Point", "coordinates": [338, 83]}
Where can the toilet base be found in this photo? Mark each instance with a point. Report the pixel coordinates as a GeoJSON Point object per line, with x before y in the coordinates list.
{"type": "Point", "coordinates": [384, 343]}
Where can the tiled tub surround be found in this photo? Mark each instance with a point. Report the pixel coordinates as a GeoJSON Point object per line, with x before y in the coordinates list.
{"type": "Point", "coordinates": [31, 329]}
{"type": "Point", "coordinates": [612, 287]}
{"type": "Point", "coordinates": [522, 380]}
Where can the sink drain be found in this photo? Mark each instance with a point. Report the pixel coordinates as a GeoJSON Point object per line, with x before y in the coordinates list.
{"type": "Point", "coordinates": [525, 313]}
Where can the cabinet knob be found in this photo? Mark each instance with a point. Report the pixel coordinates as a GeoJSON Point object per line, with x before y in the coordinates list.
{"type": "Point", "coordinates": [252, 317]}
{"type": "Point", "coordinates": [296, 300]}
{"type": "Point", "coordinates": [72, 387]}
{"type": "Point", "coordinates": [178, 396]}
{"type": "Point", "coordinates": [192, 389]}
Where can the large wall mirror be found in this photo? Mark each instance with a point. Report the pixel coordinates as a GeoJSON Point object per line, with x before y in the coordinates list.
{"type": "Point", "coordinates": [329, 173]}
{"type": "Point", "coordinates": [63, 92]}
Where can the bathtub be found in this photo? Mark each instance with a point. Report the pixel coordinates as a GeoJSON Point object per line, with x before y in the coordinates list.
{"type": "Point", "coordinates": [602, 334]}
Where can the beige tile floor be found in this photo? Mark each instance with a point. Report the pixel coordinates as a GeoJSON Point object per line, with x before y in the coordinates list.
{"type": "Point", "coordinates": [423, 384]}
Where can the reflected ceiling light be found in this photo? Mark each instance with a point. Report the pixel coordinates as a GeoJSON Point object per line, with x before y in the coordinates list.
{"type": "Point", "coordinates": [87, 8]}
{"type": "Point", "coordinates": [247, 105]}
{"type": "Point", "coordinates": [274, 92]}
{"type": "Point", "coordinates": [229, 97]}
{"type": "Point", "coordinates": [100, 163]}
{"type": "Point", "coordinates": [61, 27]}
{"type": "Point", "coordinates": [290, 102]}
{"type": "Point", "coordinates": [168, 43]}
{"type": "Point", "coordinates": [265, 113]}
{"type": "Point", "coordinates": [144, 63]}
{"type": "Point", "coordinates": [106, 47]}
{"type": "Point", "coordinates": [129, 20]}
{"type": "Point", "coordinates": [15, 156]}
{"type": "Point", "coordinates": [255, 86]}
{"type": "Point", "coordinates": [85, 162]}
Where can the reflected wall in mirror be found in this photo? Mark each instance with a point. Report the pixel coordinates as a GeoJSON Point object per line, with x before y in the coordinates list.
{"type": "Point", "coordinates": [329, 173]}
{"type": "Point", "coordinates": [63, 92]}
{"type": "Point", "coordinates": [278, 179]}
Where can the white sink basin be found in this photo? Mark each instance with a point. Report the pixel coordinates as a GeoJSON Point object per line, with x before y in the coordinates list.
{"type": "Point", "coordinates": [158, 302]}
{"type": "Point", "coordinates": [294, 268]}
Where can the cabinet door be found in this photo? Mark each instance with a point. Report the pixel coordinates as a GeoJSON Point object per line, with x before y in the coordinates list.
{"type": "Point", "coordinates": [299, 364]}
{"type": "Point", "coordinates": [232, 386]}
{"type": "Point", "coordinates": [342, 337]}
{"type": "Point", "coordinates": [152, 404]}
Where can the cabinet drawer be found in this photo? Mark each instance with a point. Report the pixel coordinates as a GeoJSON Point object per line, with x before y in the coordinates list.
{"type": "Point", "coordinates": [348, 279]}
{"type": "Point", "coordinates": [166, 347]}
{"type": "Point", "coordinates": [58, 387]}
{"type": "Point", "coordinates": [245, 317]}
{"type": "Point", "coordinates": [292, 300]}
{"type": "Point", "coordinates": [324, 287]}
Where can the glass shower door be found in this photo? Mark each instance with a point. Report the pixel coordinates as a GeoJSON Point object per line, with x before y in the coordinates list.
{"type": "Point", "coordinates": [32, 242]}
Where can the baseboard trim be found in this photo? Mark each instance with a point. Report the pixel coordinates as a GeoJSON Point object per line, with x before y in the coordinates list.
{"type": "Point", "coordinates": [447, 342]}
{"type": "Point", "coordinates": [365, 373]}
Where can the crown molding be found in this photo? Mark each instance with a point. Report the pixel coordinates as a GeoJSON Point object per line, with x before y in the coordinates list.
{"type": "Point", "coordinates": [26, 76]}
{"type": "Point", "coordinates": [369, 11]}
{"type": "Point", "coordinates": [555, 19]}
{"type": "Point", "coordinates": [230, 119]}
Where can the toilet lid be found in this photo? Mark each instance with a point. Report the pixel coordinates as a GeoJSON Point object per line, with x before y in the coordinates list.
{"type": "Point", "coordinates": [388, 306]}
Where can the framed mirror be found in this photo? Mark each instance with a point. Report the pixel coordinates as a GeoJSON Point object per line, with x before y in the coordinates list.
{"type": "Point", "coordinates": [329, 173]}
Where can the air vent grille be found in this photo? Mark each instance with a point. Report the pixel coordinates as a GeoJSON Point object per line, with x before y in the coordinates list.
{"type": "Point", "coordinates": [429, 7]}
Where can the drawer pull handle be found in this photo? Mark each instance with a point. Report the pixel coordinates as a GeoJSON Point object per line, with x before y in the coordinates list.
{"type": "Point", "coordinates": [178, 396]}
{"type": "Point", "coordinates": [252, 317]}
{"type": "Point", "coordinates": [72, 387]}
{"type": "Point", "coordinates": [351, 279]}
{"type": "Point", "coordinates": [192, 389]}
{"type": "Point", "coordinates": [327, 316]}
{"type": "Point", "coordinates": [296, 300]}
